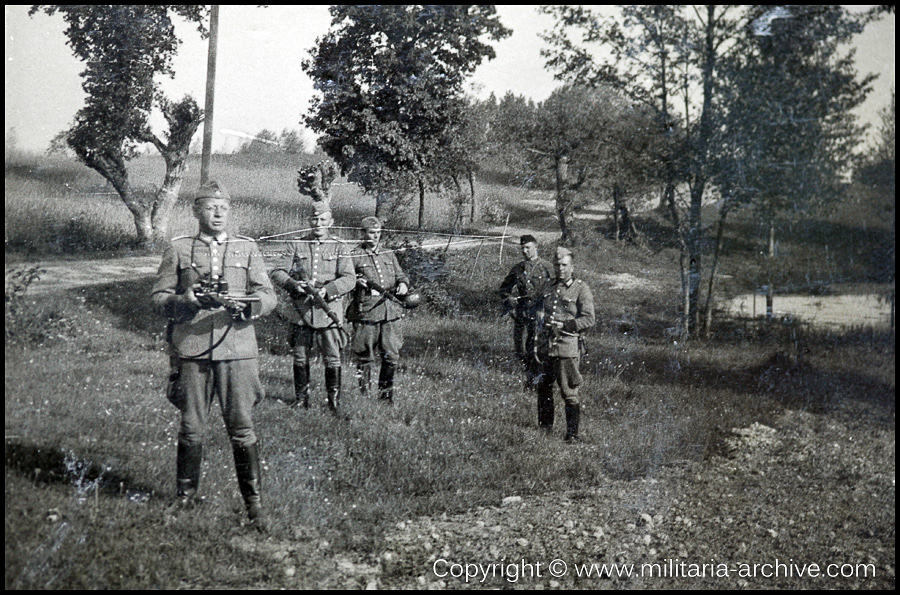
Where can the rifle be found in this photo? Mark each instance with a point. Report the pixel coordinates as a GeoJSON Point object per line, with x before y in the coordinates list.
{"type": "Point", "coordinates": [318, 302]}
{"type": "Point", "coordinates": [409, 301]}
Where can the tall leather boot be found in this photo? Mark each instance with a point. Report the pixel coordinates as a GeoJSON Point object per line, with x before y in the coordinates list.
{"type": "Point", "coordinates": [364, 376]}
{"type": "Point", "coordinates": [573, 415]}
{"type": "Point", "coordinates": [386, 381]}
{"type": "Point", "coordinates": [301, 385]}
{"type": "Point", "coordinates": [187, 475]}
{"type": "Point", "coordinates": [246, 463]}
{"type": "Point", "coordinates": [333, 387]}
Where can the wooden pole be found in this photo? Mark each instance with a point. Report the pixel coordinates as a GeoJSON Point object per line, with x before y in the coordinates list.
{"type": "Point", "coordinates": [210, 93]}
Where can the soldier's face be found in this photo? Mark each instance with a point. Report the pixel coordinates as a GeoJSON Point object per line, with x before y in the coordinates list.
{"type": "Point", "coordinates": [529, 250]}
{"type": "Point", "coordinates": [212, 214]}
{"type": "Point", "coordinates": [564, 268]}
{"type": "Point", "coordinates": [373, 235]}
{"type": "Point", "coordinates": [320, 224]}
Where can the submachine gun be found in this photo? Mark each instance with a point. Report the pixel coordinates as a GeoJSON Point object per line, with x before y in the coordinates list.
{"type": "Point", "coordinates": [411, 300]}
{"type": "Point", "coordinates": [303, 288]}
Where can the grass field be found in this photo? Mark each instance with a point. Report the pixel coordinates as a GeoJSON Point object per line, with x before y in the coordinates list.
{"type": "Point", "coordinates": [90, 438]}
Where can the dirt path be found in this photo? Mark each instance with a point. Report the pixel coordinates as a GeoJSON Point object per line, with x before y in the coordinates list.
{"type": "Point", "coordinates": [62, 275]}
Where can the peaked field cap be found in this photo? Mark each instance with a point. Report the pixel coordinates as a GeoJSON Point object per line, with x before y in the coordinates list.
{"type": "Point", "coordinates": [370, 223]}
{"type": "Point", "coordinates": [527, 239]}
{"type": "Point", "coordinates": [320, 207]}
{"type": "Point", "coordinates": [212, 189]}
{"type": "Point", "coordinates": [563, 252]}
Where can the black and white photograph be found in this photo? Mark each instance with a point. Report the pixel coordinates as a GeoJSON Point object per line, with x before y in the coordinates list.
{"type": "Point", "coordinates": [450, 297]}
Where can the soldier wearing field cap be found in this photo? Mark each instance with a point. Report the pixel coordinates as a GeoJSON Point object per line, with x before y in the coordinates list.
{"type": "Point", "coordinates": [520, 292]}
{"type": "Point", "coordinates": [566, 310]}
{"type": "Point", "coordinates": [317, 272]}
{"type": "Point", "coordinates": [212, 287]}
{"type": "Point", "coordinates": [375, 313]}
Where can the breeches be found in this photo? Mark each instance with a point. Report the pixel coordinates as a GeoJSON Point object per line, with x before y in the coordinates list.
{"type": "Point", "coordinates": [329, 342]}
{"type": "Point", "coordinates": [562, 372]}
{"type": "Point", "coordinates": [379, 338]}
{"type": "Point", "coordinates": [236, 385]}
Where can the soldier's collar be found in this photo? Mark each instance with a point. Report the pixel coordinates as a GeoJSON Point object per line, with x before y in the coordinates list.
{"type": "Point", "coordinates": [208, 239]}
{"type": "Point", "coordinates": [566, 283]}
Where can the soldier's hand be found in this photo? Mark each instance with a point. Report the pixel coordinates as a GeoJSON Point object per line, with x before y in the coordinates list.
{"type": "Point", "coordinates": [402, 289]}
{"type": "Point", "coordinates": [295, 288]}
{"type": "Point", "coordinates": [558, 324]}
{"type": "Point", "coordinates": [207, 301]}
{"type": "Point", "coordinates": [361, 282]}
{"type": "Point", "coordinates": [510, 302]}
{"type": "Point", "coordinates": [235, 307]}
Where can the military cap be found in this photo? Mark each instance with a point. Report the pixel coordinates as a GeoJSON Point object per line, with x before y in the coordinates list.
{"type": "Point", "coordinates": [371, 223]}
{"type": "Point", "coordinates": [320, 207]}
{"type": "Point", "coordinates": [562, 253]}
{"type": "Point", "coordinates": [527, 239]}
{"type": "Point", "coordinates": [212, 189]}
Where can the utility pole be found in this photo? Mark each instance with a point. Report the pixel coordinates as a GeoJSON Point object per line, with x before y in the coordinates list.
{"type": "Point", "coordinates": [210, 93]}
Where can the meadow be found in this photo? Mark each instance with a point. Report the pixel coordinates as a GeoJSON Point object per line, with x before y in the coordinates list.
{"type": "Point", "coordinates": [90, 438]}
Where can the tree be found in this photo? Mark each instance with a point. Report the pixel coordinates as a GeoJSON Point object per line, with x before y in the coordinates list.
{"type": "Point", "coordinates": [789, 135]}
{"type": "Point", "coordinates": [390, 79]}
{"type": "Point", "coordinates": [124, 49]}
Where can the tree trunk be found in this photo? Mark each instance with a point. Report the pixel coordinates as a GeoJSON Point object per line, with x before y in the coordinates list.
{"type": "Point", "coordinates": [616, 211]}
{"type": "Point", "coordinates": [471, 176]}
{"type": "Point", "coordinates": [421, 203]}
{"type": "Point", "coordinates": [707, 324]}
{"type": "Point", "coordinates": [167, 196]}
{"type": "Point", "coordinates": [770, 290]}
{"type": "Point", "coordinates": [562, 201]}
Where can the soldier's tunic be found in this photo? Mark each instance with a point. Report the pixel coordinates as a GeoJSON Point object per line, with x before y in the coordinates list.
{"type": "Point", "coordinates": [573, 304]}
{"type": "Point", "coordinates": [321, 263]}
{"type": "Point", "coordinates": [376, 319]}
{"type": "Point", "coordinates": [526, 281]}
{"type": "Point", "coordinates": [217, 354]}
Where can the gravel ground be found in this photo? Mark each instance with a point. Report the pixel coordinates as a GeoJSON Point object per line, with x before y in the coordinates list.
{"type": "Point", "coordinates": [781, 507]}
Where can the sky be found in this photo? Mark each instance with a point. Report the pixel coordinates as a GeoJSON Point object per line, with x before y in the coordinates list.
{"type": "Point", "coordinates": [260, 83]}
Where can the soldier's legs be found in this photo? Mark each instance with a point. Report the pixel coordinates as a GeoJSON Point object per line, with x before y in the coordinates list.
{"type": "Point", "coordinates": [569, 379]}
{"type": "Point", "coordinates": [301, 342]}
{"type": "Point", "coordinates": [546, 380]}
{"type": "Point", "coordinates": [331, 341]}
{"type": "Point", "coordinates": [238, 389]}
{"type": "Point", "coordinates": [532, 367]}
{"type": "Point", "coordinates": [390, 342]}
{"type": "Point", "coordinates": [520, 343]}
{"type": "Point", "coordinates": [195, 387]}
{"type": "Point", "coordinates": [364, 340]}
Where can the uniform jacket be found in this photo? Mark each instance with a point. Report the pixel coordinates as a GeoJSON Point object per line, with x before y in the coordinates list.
{"type": "Point", "coordinates": [368, 305]}
{"type": "Point", "coordinates": [322, 263]}
{"type": "Point", "coordinates": [573, 304]}
{"type": "Point", "coordinates": [237, 260]}
{"type": "Point", "coordinates": [527, 279]}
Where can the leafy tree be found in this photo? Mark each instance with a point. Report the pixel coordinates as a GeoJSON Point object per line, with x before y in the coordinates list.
{"type": "Point", "coordinates": [390, 79]}
{"type": "Point", "coordinates": [790, 135]}
{"type": "Point", "coordinates": [124, 49]}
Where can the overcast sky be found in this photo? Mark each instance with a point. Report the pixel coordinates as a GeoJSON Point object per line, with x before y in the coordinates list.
{"type": "Point", "coordinates": [260, 83]}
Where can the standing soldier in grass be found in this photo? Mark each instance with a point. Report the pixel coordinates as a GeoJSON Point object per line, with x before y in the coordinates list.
{"type": "Point", "coordinates": [374, 311]}
{"type": "Point", "coordinates": [317, 272]}
{"type": "Point", "coordinates": [521, 291]}
{"type": "Point", "coordinates": [212, 286]}
{"type": "Point", "coordinates": [566, 310]}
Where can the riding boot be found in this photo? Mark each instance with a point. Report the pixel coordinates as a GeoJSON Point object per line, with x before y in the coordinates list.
{"type": "Point", "coordinates": [573, 415]}
{"type": "Point", "coordinates": [333, 387]}
{"type": "Point", "coordinates": [386, 381]}
{"type": "Point", "coordinates": [364, 376]}
{"type": "Point", "coordinates": [301, 385]}
{"type": "Point", "coordinates": [246, 463]}
{"type": "Point", "coordinates": [187, 476]}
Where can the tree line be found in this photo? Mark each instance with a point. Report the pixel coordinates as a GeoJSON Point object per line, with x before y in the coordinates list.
{"type": "Point", "coordinates": [744, 106]}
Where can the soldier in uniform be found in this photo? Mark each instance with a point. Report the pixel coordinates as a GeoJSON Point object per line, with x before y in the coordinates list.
{"type": "Point", "coordinates": [202, 286]}
{"type": "Point", "coordinates": [375, 317]}
{"type": "Point", "coordinates": [520, 291]}
{"type": "Point", "coordinates": [318, 263]}
{"type": "Point", "coordinates": [566, 310]}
